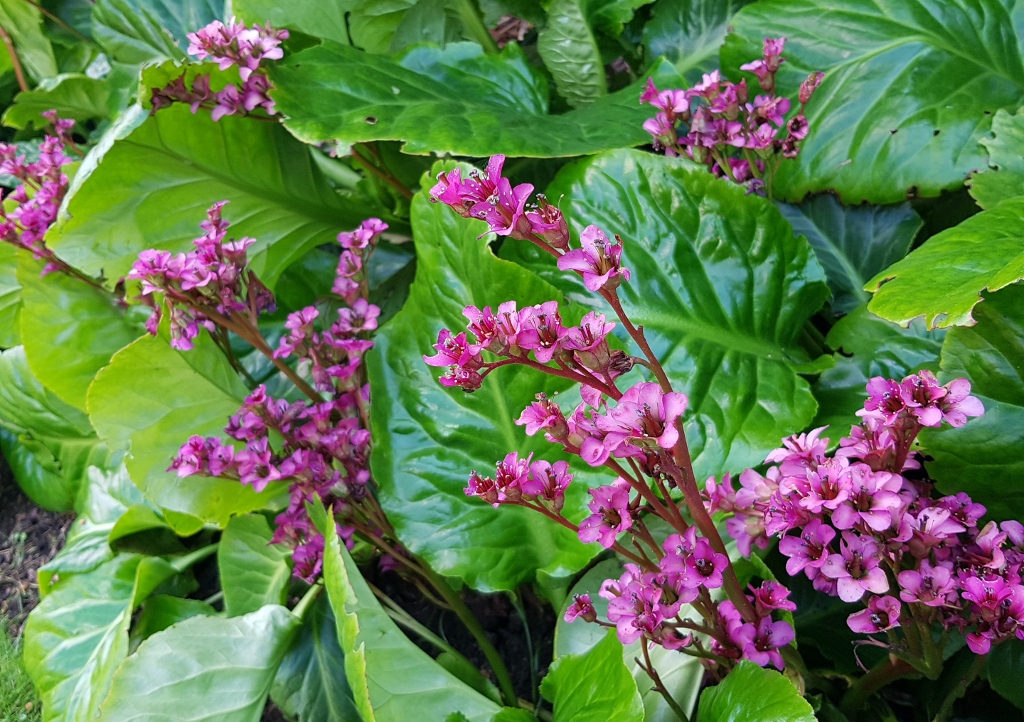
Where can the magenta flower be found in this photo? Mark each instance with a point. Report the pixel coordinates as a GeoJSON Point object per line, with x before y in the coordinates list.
{"type": "Point", "coordinates": [497, 333]}
{"type": "Point", "coordinates": [598, 261]}
{"type": "Point", "coordinates": [761, 644]}
{"type": "Point", "coordinates": [548, 482]}
{"type": "Point", "coordinates": [930, 585]}
{"type": "Point", "coordinates": [809, 85]}
{"type": "Point", "coordinates": [872, 497]}
{"type": "Point", "coordinates": [484, 488]}
{"type": "Point", "coordinates": [549, 223]}
{"type": "Point", "coordinates": [541, 330]}
{"type": "Point", "coordinates": [856, 568]}
{"type": "Point", "coordinates": [810, 549]}
{"type": "Point", "coordinates": [505, 210]}
{"type": "Point", "coordinates": [360, 316]}
{"type": "Point", "coordinates": [704, 566]}
{"type": "Point", "coordinates": [611, 514]}
{"type": "Point", "coordinates": [885, 398]}
{"type": "Point", "coordinates": [453, 351]}
{"type": "Point", "coordinates": [581, 607]}
{"type": "Point", "coordinates": [957, 404]}
{"type": "Point", "coordinates": [800, 452]}
{"type": "Point", "coordinates": [643, 416]}
{"type": "Point", "coordinates": [543, 414]}
{"type": "Point", "coordinates": [882, 613]}
{"type": "Point", "coordinates": [510, 475]}
{"type": "Point", "coordinates": [771, 596]}
{"type": "Point", "coordinates": [590, 341]}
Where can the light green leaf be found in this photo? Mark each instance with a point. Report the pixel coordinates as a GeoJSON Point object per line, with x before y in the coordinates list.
{"type": "Point", "coordinates": [944, 278]}
{"type": "Point", "coordinates": [594, 686]}
{"type": "Point", "coordinates": [869, 346]}
{"type": "Point", "coordinates": [70, 329]}
{"type": "Point", "coordinates": [24, 23]}
{"type": "Point", "coordinates": [140, 31]}
{"type": "Point", "coordinates": [428, 438]}
{"type": "Point", "coordinates": [10, 297]}
{"type": "Point", "coordinates": [1006, 158]}
{"type": "Point", "coordinates": [73, 96]}
{"type": "Point", "coordinates": [569, 50]}
{"type": "Point", "coordinates": [983, 457]}
{"type": "Point", "coordinates": [333, 92]}
{"type": "Point", "coordinates": [720, 285]}
{"type": "Point", "coordinates": [909, 89]}
{"type": "Point", "coordinates": [44, 486]}
{"type": "Point", "coordinates": [311, 684]}
{"type": "Point", "coordinates": [204, 668]}
{"type": "Point", "coordinates": [253, 572]}
{"type": "Point", "coordinates": [319, 18]}
{"type": "Point", "coordinates": [143, 530]}
{"type": "Point", "coordinates": [853, 244]}
{"type": "Point", "coordinates": [752, 693]}
{"type": "Point", "coordinates": [389, 26]}
{"type": "Point", "coordinates": [392, 679]}
{"type": "Point", "coordinates": [78, 635]}
{"type": "Point", "coordinates": [152, 189]}
{"type": "Point", "coordinates": [162, 611]}
{"type": "Point", "coordinates": [689, 33]}
{"type": "Point", "coordinates": [151, 399]}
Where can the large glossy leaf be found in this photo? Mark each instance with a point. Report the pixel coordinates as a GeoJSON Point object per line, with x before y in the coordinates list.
{"type": "Point", "coordinates": [594, 686]}
{"type": "Point", "coordinates": [689, 33]}
{"type": "Point", "coordinates": [869, 346]}
{"type": "Point", "coordinates": [721, 286]}
{"type": "Point", "coordinates": [311, 684]}
{"type": "Point", "coordinates": [490, 104]}
{"type": "Point", "coordinates": [1005, 149]}
{"type": "Point", "coordinates": [150, 400]}
{"type": "Point", "coordinates": [10, 297]}
{"type": "Point", "coordinates": [388, 26]}
{"type": "Point", "coordinates": [753, 693]}
{"type": "Point", "coordinates": [139, 31]}
{"type": "Point", "coordinates": [78, 635]}
{"type": "Point", "coordinates": [944, 278]}
{"type": "Point", "coordinates": [58, 435]}
{"type": "Point", "coordinates": [1004, 669]}
{"type": "Point", "coordinates": [680, 673]}
{"type": "Point", "coordinates": [392, 680]}
{"type": "Point", "coordinates": [320, 18]}
{"type": "Point", "coordinates": [74, 96]}
{"type": "Point", "coordinates": [253, 572]}
{"type": "Point", "coordinates": [983, 457]}
{"type": "Point", "coordinates": [428, 438]}
{"type": "Point", "coordinates": [570, 52]}
{"type": "Point", "coordinates": [909, 88]}
{"type": "Point", "coordinates": [24, 23]}
{"type": "Point", "coordinates": [853, 244]}
{"type": "Point", "coordinates": [152, 189]}
{"type": "Point", "coordinates": [70, 329]}
{"type": "Point", "coordinates": [204, 668]}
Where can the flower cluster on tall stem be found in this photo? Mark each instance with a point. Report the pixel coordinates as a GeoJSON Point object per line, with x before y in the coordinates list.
{"type": "Point", "coordinates": [866, 524]}
{"type": "Point", "coordinates": [667, 595]}
{"type": "Point", "coordinates": [229, 45]}
{"type": "Point", "coordinates": [717, 123]}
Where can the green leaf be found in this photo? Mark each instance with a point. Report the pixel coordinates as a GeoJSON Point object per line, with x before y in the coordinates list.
{"type": "Point", "coordinates": [720, 285]}
{"type": "Point", "coordinates": [152, 189]}
{"type": "Point", "coordinates": [42, 485]}
{"type": "Point", "coordinates": [162, 611]}
{"type": "Point", "coordinates": [140, 31]}
{"type": "Point", "coordinates": [204, 668]}
{"type": "Point", "coordinates": [253, 572]}
{"type": "Point", "coordinates": [1006, 158]}
{"type": "Point", "coordinates": [1004, 669]}
{"type": "Point", "coordinates": [428, 438]}
{"type": "Point", "coordinates": [853, 244]}
{"type": "Point", "coordinates": [311, 684]}
{"type": "Point", "coordinates": [944, 278]}
{"type": "Point", "coordinates": [689, 33]}
{"type": "Point", "coordinates": [70, 329]}
{"type": "Point", "coordinates": [593, 686]}
{"type": "Point", "coordinates": [143, 530]}
{"type": "Point", "coordinates": [392, 679]}
{"type": "Point", "coordinates": [569, 49]}
{"type": "Point", "coordinates": [333, 92]}
{"type": "Point", "coordinates": [24, 23]}
{"type": "Point", "coordinates": [680, 673]}
{"type": "Point", "coordinates": [983, 457]}
{"type": "Point", "coordinates": [389, 26]}
{"type": "Point", "coordinates": [10, 297]}
{"type": "Point", "coordinates": [151, 399]}
{"type": "Point", "coordinates": [752, 693]}
{"type": "Point", "coordinates": [73, 96]}
{"type": "Point", "coordinates": [312, 17]}
{"type": "Point", "coordinates": [78, 635]}
{"type": "Point", "coordinates": [869, 346]}
{"type": "Point", "coordinates": [908, 92]}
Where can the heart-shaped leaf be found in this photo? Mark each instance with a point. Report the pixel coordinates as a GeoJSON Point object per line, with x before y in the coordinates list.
{"type": "Point", "coordinates": [983, 457]}
{"type": "Point", "coordinates": [721, 286]}
{"type": "Point", "coordinates": [909, 89]}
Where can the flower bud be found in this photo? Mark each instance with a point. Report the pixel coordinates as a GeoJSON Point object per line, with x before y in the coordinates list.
{"type": "Point", "coordinates": [811, 84]}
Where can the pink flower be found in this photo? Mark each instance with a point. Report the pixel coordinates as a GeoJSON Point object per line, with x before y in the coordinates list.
{"type": "Point", "coordinates": [484, 488]}
{"type": "Point", "coordinates": [771, 596]}
{"type": "Point", "coordinates": [549, 223]}
{"type": "Point", "coordinates": [643, 416]}
{"type": "Point", "coordinates": [810, 549]}
{"type": "Point", "coordinates": [453, 351]}
{"type": "Point", "coordinates": [611, 515]}
{"type": "Point", "coordinates": [495, 332]}
{"type": "Point", "coordinates": [543, 414]}
{"type": "Point", "coordinates": [590, 341]}
{"type": "Point", "coordinates": [598, 261]}
{"type": "Point", "coordinates": [548, 482]}
{"type": "Point", "coordinates": [872, 496]}
{"type": "Point", "coordinates": [929, 585]}
{"type": "Point", "coordinates": [361, 316]}
{"type": "Point", "coordinates": [856, 568]}
{"type": "Point", "coordinates": [809, 85]}
{"type": "Point", "coordinates": [541, 330]}
{"type": "Point", "coordinates": [882, 613]}
{"type": "Point", "coordinates": [581, 607]}
{"type": "Point", "coordinates": [957, 404]}
{"type": "Point", "coordinates": [761, 644]}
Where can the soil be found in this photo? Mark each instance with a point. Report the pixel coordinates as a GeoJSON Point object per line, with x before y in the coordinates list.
{"type": "Point", "coordinates": [29, 537]}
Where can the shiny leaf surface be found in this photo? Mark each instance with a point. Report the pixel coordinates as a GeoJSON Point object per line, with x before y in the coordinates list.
{"type": "Point", "coordinates": [139, 31]}
{"type": "Point", "coordinates": [570, 52]}
{"type": "Point", "coordinates": [253, 572]}
{"type": "Point", "coordinates": [689, 33]}
{"type": "Point", "coordinates": [73, 96]}
{"type": "Point", "coordinates": [753, 693]}
{"type": "Point", "coordinates": [10, 297]}
{"type": "Point", "coordinates": [319, 18]}
{"type": "Point", "coordinates": [1005, 149]}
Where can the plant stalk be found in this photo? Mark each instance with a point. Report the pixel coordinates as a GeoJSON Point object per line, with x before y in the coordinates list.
{"type": "Point", "coordinates": [473, 24]}
{"type": "Point", "coordinates": [960, 688]}
{"type": "Point", "coordinates": [888, 670]}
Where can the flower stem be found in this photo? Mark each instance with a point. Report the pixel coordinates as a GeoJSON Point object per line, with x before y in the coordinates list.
{"type": "Point", "coordinates": [504, 679]}
{"type": "Point", "coordinates": [888, 670]}
{"type": "Point", "coordinates": [659, 686]}
{"type": "Point", "coordinates": [473, 24]}
{"type": "Point", "coordinates": [19, 74]}
{"type": "Point", "coordinates": [946, 710]}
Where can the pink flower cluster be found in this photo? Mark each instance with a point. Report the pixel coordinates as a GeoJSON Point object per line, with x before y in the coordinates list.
{"type": "Point", "coordinates": [228, 45]}
{"type": "Point", "coordinates": [717, 124]}
{"type": "Point", "coordinates": [29, 211]}
{"type": "Point", "coordinates": [212, 279]}
{"type": "Point", "coordinates": [861, 520]}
